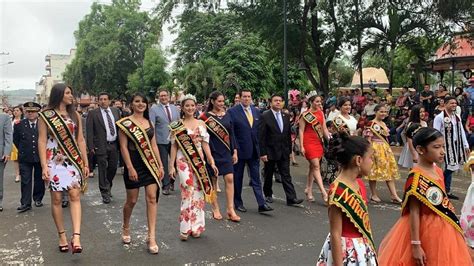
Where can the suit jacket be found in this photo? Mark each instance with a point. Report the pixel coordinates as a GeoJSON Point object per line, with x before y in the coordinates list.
{"type": "Point", "coordinates": [160, 121]}
{"type": "Point", "coordinates": [96, 132]}
{"type": "Point", "coordinates": [274, 143]}
{"type": "Point", "coordinates": [26, 140]}
{"type": "Point", "coordinates": [246, 136]}
{"type": "Point", "coordinates": [6, 135]}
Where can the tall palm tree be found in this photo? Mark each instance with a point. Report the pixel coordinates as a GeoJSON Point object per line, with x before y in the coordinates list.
{"type": "Point", "coordinates": [385, 37]}
{"type": "Point", "coordinates": [202, 77]}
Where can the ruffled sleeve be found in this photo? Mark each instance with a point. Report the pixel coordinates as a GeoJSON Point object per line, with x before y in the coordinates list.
{"type": "Point", "coordinates": [204, 134]}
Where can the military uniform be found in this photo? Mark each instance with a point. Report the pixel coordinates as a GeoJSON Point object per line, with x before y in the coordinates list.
{"type": "Point", "coordinates": [25, 137]}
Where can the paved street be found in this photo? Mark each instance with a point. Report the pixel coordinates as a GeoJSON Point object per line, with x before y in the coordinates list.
{"type": "Point", "coordinates": [288, 235]}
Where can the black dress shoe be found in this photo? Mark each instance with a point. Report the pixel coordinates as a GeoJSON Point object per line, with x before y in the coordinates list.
{"type": "Point", "coordinates": [38, 203]}
{"type": "Point", "coordinates": [452, 196]}
{"type": "Point", "coordinates": [23, 208]}
{"type": "Point", "coordinates": [264, 208]}
{"type": "Point", "coordinates": [106, 200]}
{"type": "Point", "coordinates": [269, 199]}
{"type": "Point", "coordinates": [166, 191]}
{"type": "Point", "coordinates": [294, 202]}
{"type": "Point", "coordinates": [65, 204]}
{"type": "Point", "coordinates": [1, 209]}
{"type": "Point", "coordinates": [241, 209]}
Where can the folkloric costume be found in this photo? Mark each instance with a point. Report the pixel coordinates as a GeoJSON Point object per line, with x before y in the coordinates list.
{"type": "Point", "coordinates": [357, 243]}
{"type": "Point", "coordinates": [441, 236]}
{"type": "Point", "coordinates": [467, 212]}
{"type": "Point", "coordinates": [454, 138]}
{"type": "Point", "coordinates": [384, 167]}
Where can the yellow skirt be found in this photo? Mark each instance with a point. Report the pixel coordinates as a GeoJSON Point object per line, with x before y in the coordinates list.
{"type": "Point", "coordinates": [14, 153]}
{"type": "Point", "coordinates": [385, 167]}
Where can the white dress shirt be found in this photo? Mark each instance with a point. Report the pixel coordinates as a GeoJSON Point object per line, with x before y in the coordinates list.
{"type": "Point", "coordinates": [280, 118]}
{"type": "Point", "coordinates": [110, 138]}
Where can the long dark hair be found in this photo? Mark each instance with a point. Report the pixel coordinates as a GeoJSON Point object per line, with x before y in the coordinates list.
{"type": "Point", "coordinates": [181, 113]}
{"type": "Point", "coordinates": [56, 97]}
{"type": "Point", "coordinates": [212, 97]}
{"type": "Point", "coordinates": [146, 113]}
{"type": "Point", "coordinates": [342, 148]}
{"type": "Point", "coordinates": [21, 112]}
{"type": "Point", "coordinates": [415, 114]}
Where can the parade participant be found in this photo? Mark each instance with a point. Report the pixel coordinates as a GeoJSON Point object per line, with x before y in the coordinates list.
{"type": "Point", "coordinates": [17, 117]}
{"type": "Point", "coordinates": [143, 167]}
{"type": "Point", "coordinates": [189, 143]}
{"type": "Point", "coordinates": [428, 232]}
{"type": "Point", "coordinates": [6, 142]}
{"type": "Point", "coordinates": [161, 116]}
{"type": "Point", "coordinates": [345, 121]}
{"type": "Point", "coordinates": [224, 151]}
{"type": "Point", "coordinates": [275, 150]}
{"type": "Point", "coordinates": [350, 240]}
{"type": "Point", "coordinates": [408, 156]}
{"type": "Point", "coordinates": [457, 147]}
{"type": "Point", "coordinates": [62, 152]}
{"type": "Point", "coordinates": [102, 141]}
{"type": "Point", "coordinates": [245, 121]}
{"type": "Point", "coordinates": [25, 137]}
{"type": "Point", "coordinates": [313, 132]}
{"type": "Point", "coordinates": [467, 212]}
{"type": "Point", "coordinates": [384, 167]}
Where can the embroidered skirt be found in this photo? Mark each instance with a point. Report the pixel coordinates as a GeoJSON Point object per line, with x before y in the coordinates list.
{"type": "Point", "coordinates": [385, 167]}
{"type": "Point", "coordinates": [355, 251]}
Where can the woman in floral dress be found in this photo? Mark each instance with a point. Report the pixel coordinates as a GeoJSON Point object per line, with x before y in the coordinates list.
{"type": "Point", "coordinates": [58, 170]}
{"type": "Point", "coordinates": [192, 215]}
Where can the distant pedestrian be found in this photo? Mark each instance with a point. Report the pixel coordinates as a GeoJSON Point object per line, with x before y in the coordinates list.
{"type": "Point", "coordinates": [6, 139]}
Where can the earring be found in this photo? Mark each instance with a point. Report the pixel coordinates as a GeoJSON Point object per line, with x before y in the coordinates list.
{"type": "Point", "coordinates": [359, 169]}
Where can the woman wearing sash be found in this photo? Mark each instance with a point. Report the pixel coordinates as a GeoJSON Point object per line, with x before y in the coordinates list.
{"type": "Point", "coordinates": [428, 232]}
{"type": "Point", "coordinates": [222, 145]}
{"type": "Point", "coordinates": [143, 167]}
{"type": "Point", "coordinates": [385, 167]}
{"type": "Point", "coordinates": [408, 156]}
{"type": "Point", "coordinates": [313, 131]}
{"type": "Point", "coordinates": [190, 141]}
{"type": "Point", "coordinates": [345, 121]}
{"type": "Point", "coordinates": [62, 152]}
{"type": "Point", "coordinates": [350, 240]}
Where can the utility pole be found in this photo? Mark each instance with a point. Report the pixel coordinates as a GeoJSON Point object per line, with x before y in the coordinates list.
{"type": "Point", "coordinates": [285, 57]}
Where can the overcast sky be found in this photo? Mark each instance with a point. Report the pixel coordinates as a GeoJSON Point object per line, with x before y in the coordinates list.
{"type": "Point", "coordinates": [29, 30]}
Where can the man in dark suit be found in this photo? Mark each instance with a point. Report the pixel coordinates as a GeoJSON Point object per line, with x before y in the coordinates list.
{"type": "Point", "coordinates": [275, 150]}
{"type": "Point", "coordinates": [245, 120]}
{"type": "Point", "coordinates": [25, 137]}
{"type": "Point", "coordinates": [102, 141]}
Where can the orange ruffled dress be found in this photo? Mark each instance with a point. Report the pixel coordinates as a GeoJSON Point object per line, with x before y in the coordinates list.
{"type": "Point", "coordinates": [442, 244]}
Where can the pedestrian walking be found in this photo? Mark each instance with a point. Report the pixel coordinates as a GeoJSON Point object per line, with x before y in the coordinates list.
{"type": "Point", "coordinates": [6, 142]}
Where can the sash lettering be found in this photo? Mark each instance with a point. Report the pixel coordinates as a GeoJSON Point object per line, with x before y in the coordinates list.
{"type": "Point", "coordinates": [142, 143]}
{"type": "Point", "coordinates": [197, 163]}
{"type": "Point", "coordinates": [66, 141]}
{"type": "Point", "coordinates": [216, 128]}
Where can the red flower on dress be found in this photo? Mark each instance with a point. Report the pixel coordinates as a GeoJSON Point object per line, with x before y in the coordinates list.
{"type": "Point", "coordinates": [189, 181]}
{"type": "Point", "coordinates": [55, 178]}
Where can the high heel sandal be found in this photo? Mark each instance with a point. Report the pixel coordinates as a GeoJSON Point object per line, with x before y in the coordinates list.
{"type": "Point", "coordinates": [216, 217]}
{"type": "Point", "coordinates": [154, 249]}
{"type": "Point", "coordinates": [63, 248]}
{"type": "Point", "coordinates": [75, 249]}
{"type": "Point", "coordinates": [397, 201]}
{"type": "Point", "coordinates": [308, 198]}
{"type": "Point", "coordinates": [183, 236]}
{"type": "Point", "coordinates": [233, 217]}
{"type": "Point", "coordinates": [126, 238]}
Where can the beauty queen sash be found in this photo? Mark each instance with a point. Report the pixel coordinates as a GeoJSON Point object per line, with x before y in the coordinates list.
{"type": "Point", "coordinates": [216, 128]}
{"type": "Point", "coordinates": [353, 206]}
{"type": "Point", "coordinates": [314, 122]}
{"type": "Point", "coordinates": [340, 125]}
{"type": "Point", "coordinates": [432, 195]}
{"type": "Point", "coordinates": [454, 150]}
{"type": "Point", "coordinates": [142, 143]}
{"type": "Point", "coordinates": [66, 141]}
{"type": "Point", "coordinates": [190, 151]}
{"type": "Point", "coordinates": [378, 131]}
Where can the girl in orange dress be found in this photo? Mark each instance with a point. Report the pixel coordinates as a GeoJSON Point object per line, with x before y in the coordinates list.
{"type": "Point", "coordinates": [428, 232]}
{"type": "Point", "coordinates": [313, 131]}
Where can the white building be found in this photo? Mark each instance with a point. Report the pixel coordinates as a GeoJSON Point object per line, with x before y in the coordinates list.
{"type": "Point", "coordinates": [55, 67]}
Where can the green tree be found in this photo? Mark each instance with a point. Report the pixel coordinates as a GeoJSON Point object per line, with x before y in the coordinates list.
{"type": "Point", "coordinates": [152, 75]}
{"type": "Point", "coordinates": [111, 41]}
{"type": "Point", "coordinates": [202, 77]}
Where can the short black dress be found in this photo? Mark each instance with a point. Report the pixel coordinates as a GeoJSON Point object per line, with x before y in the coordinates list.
{"type": "Point", "coordinates": [145, 177]}
{"type": "Point", "coordinates": [221, 154]}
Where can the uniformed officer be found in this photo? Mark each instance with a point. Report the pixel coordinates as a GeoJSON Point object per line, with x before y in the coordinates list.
{"type": "Point", "coordinates": [25, 137]}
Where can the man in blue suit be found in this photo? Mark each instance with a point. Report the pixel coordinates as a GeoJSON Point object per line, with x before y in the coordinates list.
{"type": "Point", "coordinates": [245, 120]}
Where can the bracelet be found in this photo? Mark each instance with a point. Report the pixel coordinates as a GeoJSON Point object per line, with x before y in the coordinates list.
{"type": "Point", "coordinates": [416, 242]}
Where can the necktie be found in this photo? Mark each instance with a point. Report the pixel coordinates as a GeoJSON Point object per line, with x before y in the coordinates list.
{"type": "Point", "coordinates": [249, 116]}
{"type": "Point", "coordinates": [33, 125]}
{"type": "Point", "coordinates": [279, 121]}
{"type": "Point", "coordinates": [168, 113]}
{"type": "Point", "coordinates": [109, 121]}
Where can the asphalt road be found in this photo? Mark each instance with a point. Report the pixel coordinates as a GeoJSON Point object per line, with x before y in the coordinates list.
{"type": "Point", "coordinates": [288, 235]}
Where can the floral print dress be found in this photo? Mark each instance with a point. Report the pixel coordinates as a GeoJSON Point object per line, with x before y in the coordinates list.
{"type": "Point", "coordinates": [192, 215]}
{"type": "Point", "coordinates": [63, 174]}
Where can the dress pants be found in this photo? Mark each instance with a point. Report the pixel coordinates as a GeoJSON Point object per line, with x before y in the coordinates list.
{"type": "Point", "coordinates": [107, 164]}
{"type": "Point", "coordinates": [165, 150]}
{"type": "Point", "coordinates": [2, 168]}
{"type": "Point", "coordinates": [253, 165]}
{"type": "Point", "coordinates": [448, 176]}
{"type": "Point", "coordinates": [31, 178]}
{"type": "Point", "coordinates": [283, 166]}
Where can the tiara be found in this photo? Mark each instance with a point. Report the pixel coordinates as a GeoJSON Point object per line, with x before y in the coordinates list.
{"type": "Point", "coordinates": [416, 130]}
{"type": "Point", "coordinates": [311, 94]}
{"type": "Point", "coordinates": [189, 97]}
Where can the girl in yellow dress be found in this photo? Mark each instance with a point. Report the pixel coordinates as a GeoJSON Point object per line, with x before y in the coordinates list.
{"type": "Point", "coordinates": [17, 117]}
{"type": "Point", "coordinates": [385, 167]}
